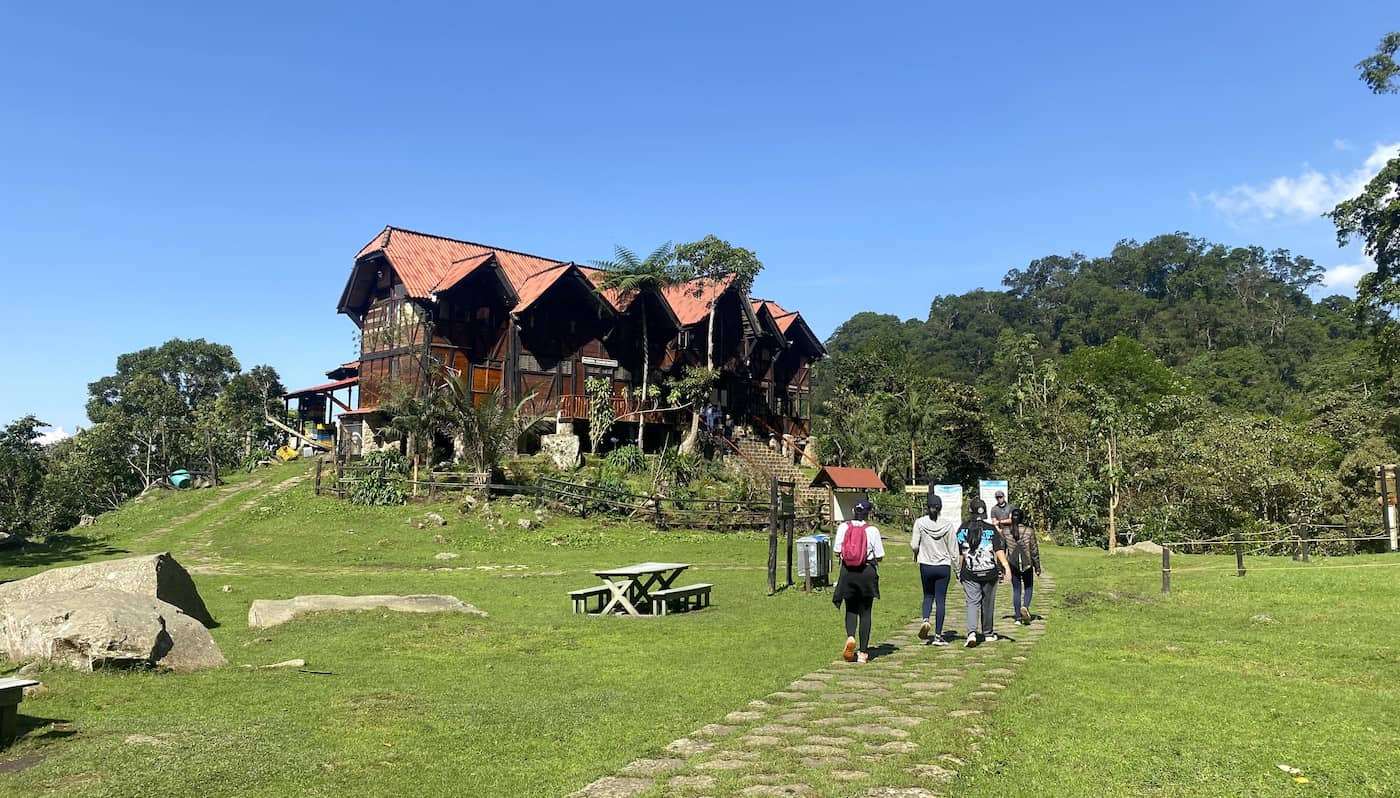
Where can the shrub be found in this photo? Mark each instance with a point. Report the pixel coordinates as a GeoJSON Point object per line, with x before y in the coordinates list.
{"type": "Point", "coordinates": [382, 481]}
{"type": "Point", "coordinates": [627, 459]}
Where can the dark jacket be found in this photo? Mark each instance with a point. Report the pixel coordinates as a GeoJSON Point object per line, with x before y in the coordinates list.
{"type": "Point", "coordinates": [1022, 549]}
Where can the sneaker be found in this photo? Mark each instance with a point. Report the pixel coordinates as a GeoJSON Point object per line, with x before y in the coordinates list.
{"type": "Point", "coordinates": [938, 640]}
{"type": "Point", "coordinates": [991, 637]}
{"type": "Point", "coordinates": [849, 654]}
{"type": "Point", "coordinates": [1026, 616]}
{"type": "Point", "coordinates": [923, 631]}
{"type": "Point", "coordinates": [971, 640]}
{"type": "Point", "coordinates": [862, 657]}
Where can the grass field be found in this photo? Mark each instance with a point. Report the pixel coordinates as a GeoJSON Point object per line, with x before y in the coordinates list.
{"type": "Point", "coordinates": [1203, 692]}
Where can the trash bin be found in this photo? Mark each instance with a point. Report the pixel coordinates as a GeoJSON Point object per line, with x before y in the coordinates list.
{"type": "Point", "coordinates": [814, 558]}
{"type": "Point", "coordinates": [180, 479]}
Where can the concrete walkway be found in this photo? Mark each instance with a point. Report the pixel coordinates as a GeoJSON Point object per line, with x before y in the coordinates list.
{"type": "Point", "coordinates": [900, 726]}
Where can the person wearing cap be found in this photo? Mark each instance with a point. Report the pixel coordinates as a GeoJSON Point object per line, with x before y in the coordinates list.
{"type": "Point", "coordinates": [935, 546]}
{"type": "Point", "coordinates": [981, 564]}
{"type": "Point", "coordinates": [1000, 512]}
{"type": "Point", "coordinates": [859, 583]}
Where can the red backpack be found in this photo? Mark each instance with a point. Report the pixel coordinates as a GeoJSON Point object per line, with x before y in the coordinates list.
{"type": "Point", "coordinates": [854, 545]}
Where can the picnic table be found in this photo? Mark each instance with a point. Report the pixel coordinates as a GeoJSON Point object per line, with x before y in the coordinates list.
{"type": "Point", "coordinates": [630, 587]}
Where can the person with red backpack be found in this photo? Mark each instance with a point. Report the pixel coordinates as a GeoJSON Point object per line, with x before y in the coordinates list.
{"type": "Point", "coordinates": [860, 550]}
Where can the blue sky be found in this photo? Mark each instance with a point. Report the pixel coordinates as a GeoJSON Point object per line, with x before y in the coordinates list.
{"type": "Point", "coordinates": [198, 171]}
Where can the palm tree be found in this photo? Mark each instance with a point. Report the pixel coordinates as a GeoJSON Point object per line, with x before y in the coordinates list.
{"type": "Point", "coordinates": [489, 428]}
{"type": "Point", "coordinates": [632, 277]}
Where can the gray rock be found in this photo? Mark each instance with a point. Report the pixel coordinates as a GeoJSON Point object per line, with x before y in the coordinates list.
{"type": "Point", "coordinates": [562, 449]}
{"type": "Point", "coordinates": [1141, 547]}
{"type": "Point", "coordinates": [434, 519]}
{"type": "Point", "coordinates": [157, 576]}
{"type": "Point", "coordinates": [271, 612]}
{"type": "Point", "coordinates": [446, 555]}
{"type": "Point", "coordinates": [100, 628]}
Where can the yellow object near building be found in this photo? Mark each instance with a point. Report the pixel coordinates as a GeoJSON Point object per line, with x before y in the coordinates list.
{"type": "Point", "coordinates": [287, 453]}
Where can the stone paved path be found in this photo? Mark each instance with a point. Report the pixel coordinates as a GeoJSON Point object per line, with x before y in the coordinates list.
{"type": "Point", "coordinates": [900, 726]}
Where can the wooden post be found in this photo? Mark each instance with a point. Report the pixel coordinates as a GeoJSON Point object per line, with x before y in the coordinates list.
{"type": "Point", "coordinates": [656, 510]}
{"type": "Point", "coordinates": [1166, 569]}
{"type": "Point", "coordinates": [1351, 543]}
{"type": "Point", "coordinates": [539, 492]}
{"type": "Point", "coordinates": [1306, 544]}
{"type": "Point", "coordinates": [787, 522]}
{"type": "Point", "coordinates": [1239, 555]}
{"type": "Point", "coordinates": [773, 536]}
{"type": "Point", "coordinates": [317, 483]}
{"type": "Point", "coordinates": [339, 473]}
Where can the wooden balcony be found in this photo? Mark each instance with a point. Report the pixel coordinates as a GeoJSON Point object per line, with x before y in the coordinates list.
{"type": "Point", "coordinates": [626, 410]}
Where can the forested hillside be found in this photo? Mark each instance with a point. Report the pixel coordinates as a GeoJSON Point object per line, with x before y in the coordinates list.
{"type": "Point", "coordinates": [1172, 388]}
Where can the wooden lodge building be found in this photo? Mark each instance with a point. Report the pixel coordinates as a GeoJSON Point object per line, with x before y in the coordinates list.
{"type": "Point", "coordinates": [535, 327]}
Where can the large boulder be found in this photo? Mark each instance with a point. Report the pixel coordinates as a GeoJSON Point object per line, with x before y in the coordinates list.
{"type": "Point", "coordinates": [271, 612]}
{"type": "Point", "coordinates": [157, 576]}
{"type": "Point", "coordinates": [102, 628]}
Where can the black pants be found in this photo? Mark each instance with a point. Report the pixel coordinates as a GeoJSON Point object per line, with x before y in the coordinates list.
{"type": "Point", "coordinates": [858, 615]}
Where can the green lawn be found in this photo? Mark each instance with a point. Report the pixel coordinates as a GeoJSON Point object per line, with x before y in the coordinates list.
{"type": "Point", "coordinates": [1208, 690]}
{"type": "Point", "coordinates": [1129, 694]}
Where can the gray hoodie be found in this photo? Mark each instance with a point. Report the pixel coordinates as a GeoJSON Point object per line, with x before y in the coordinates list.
{"type": "Point", "coordinates": [935, 542]}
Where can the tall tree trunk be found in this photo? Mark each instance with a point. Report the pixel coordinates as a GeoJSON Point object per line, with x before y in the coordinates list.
{"type": "Point", "coordinates": [1112, 494]}
{"type": "Point", "coordinates": [692, 437]}
{"type": "Point", "coordinates": [646, 368]}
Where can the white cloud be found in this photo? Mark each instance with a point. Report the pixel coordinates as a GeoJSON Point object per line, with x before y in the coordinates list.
{"type": "Point", "coordinates": [1343, 277]}
{"type": "Point", "coordinates": [1306, 195]}
{"type": "Point", "coordinates": [1343, 145]}
{"type": "Point", "coordinates": [53, 436]}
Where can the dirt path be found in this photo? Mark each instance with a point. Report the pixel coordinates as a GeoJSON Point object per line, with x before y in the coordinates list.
{"type": "Point", "coordinates": [847, 729]}
{"type": "Point", "coordinates": [225, 495]}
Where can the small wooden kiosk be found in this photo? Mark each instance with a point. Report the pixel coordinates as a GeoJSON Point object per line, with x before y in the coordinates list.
{"type": "Point", "coordinates": [844, 486]}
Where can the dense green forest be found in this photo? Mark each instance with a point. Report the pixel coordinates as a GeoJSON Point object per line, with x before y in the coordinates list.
{"type": "Point", "coordinates": [1173, 389]}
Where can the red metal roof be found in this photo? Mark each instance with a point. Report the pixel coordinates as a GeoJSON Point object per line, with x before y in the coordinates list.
{"type": "Point", "coordinates": [848, 478]}
{"type": "Point", "coordinates": [691, 301]}
{"type": "Point", "coordinates": [327, 388]}
{"type": "Point", "coordinates": [620, 301]}
{"type": "Point", "coordinates": [427, 263]}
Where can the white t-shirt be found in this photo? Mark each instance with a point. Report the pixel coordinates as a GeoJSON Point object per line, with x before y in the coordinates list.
{"type": "Point", "coordinates": [874, 549]}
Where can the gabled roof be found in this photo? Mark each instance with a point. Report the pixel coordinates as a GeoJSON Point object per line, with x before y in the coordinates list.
{"type": "Point", "coordinates": [848, 478]}
{"type": "Point", "coordinates": [428, 263]}
{"type": "Point", "coordinates": [691, 301]}
{"type": "Point", "coordinates": [619, 300]}
{"type": "Point", "coordinates": [790, 322]}
{"type": "Point", "coordinates": [765, 317]}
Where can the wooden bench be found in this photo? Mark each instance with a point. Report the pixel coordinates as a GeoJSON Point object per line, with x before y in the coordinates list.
{"type": "Point", "coordinates": [582, 595]}
{"type": "Point", "coordinates": [11, 693]}
{"type": "Point", "coordinates": [687, 597]}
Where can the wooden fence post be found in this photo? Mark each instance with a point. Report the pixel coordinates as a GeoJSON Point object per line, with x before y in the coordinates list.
{"type": "Point", "coordinates": [317, 484]}
{"type": "Point", "coordinates": [539, 493]}
{"type": "Point", "coordinates": [1239, 555]}
{"type": "Point", "coordinates": [1166, 569]}
{"type": "Point", "coordinates": [339, 475]}
{"type": "Point", "coordinates": [773, 537]}
{"type": "Point", "coordinates": [656, 509]}
{"type": "Point", "coordinates": [1307, 545]}
{"type": "Point", "coordinates": [1351, 543]}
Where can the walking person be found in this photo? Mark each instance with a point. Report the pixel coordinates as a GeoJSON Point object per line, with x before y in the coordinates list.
{"type": "Point", "coordinates": [981, 564]}
{"type": "Point", "coordinates": [1023, 555]}
{"type": "Point", "coordinates": [935, 545]}
{"type": "Point", "coordinates": [858, 545]}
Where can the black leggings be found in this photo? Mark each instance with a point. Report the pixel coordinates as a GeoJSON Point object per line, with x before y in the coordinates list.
{"type": "Point", "coordinates": [858, 614]}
